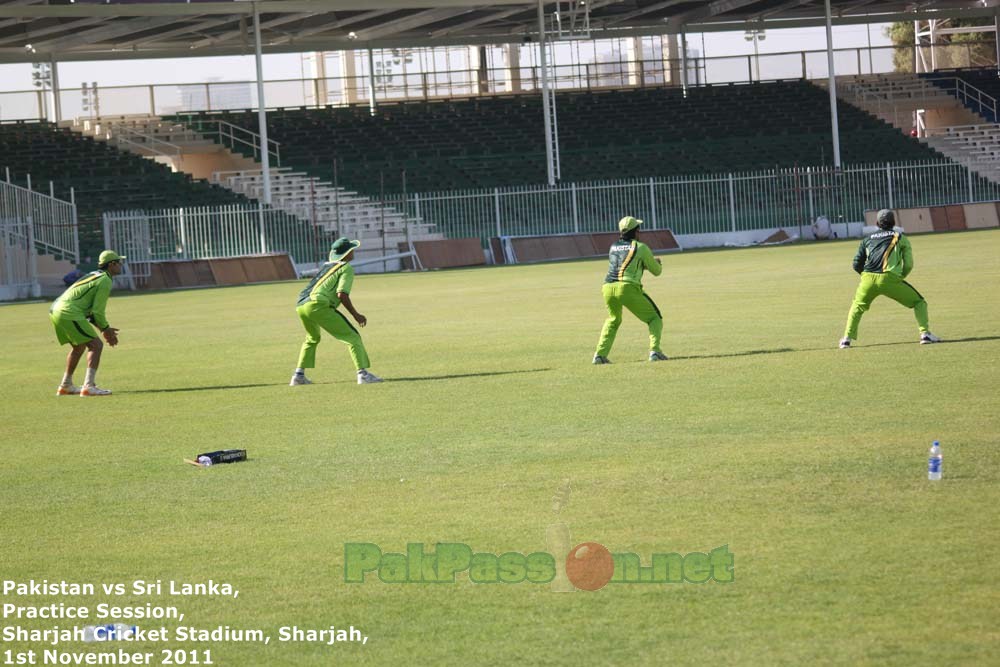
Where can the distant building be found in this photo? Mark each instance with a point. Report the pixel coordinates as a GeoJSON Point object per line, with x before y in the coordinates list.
{"type": "Point", "coordinates": [215, 95]}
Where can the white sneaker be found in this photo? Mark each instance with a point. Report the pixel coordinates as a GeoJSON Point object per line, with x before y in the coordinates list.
{"type": "Point", "coordinates": [299, 379]}
{"type": "Point", "coordinates": [656, 355]}
{"type": "Point", "coordinates": [845, 343]}
{"type": "Point", "coordinates": [94, 390]}
{"type": "Point", "coordinates": [364, 377]}
{"type": "Point", "coordinates": [67, 390]}
{"type": "Point", "coordinates": [598, 360]}
{"type": "Point", "coordinates": [927, 337]}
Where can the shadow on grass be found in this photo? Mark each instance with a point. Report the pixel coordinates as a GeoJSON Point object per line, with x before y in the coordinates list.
{"type": "Point", "coordinates": [781, 350]}
{"type": "Point", "coordinates": [464, 375]}
{"type": "Point", "coordinates": [747, 353]}
{"type": "Point", "coordinates": [970, 339]}
{"type": "Point", "coordinates": [219, 387]}
{"type": "Point", "coordinates": [283, 384]}
{"type": "Point", "coordinates": [946, 341]}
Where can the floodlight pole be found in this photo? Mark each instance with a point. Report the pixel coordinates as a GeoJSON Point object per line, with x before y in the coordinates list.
{"type": "Point", "coordinates": [371, 81]}
{"type": "Point", "coordinates": [996, 34]}
{"type": "Point", "coordinates": [835, 125]}
{"type": "Point", "coordinates": [265, 156]}
{"type": "Point", "coordinates": [684, 61]}
{"type": "Point", "coordinates": [54, 82]}
{"type": "Point", "coordinates": [546, 109]}
{"type": "Point", "coordinates": [871, 65]}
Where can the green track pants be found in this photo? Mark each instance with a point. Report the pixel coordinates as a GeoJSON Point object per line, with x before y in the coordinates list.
{"type": "Point", "coordinates": [631, 296]}
{"type": "Point", "coordinates": [318, 316]}
{"type": "Point", "coordinates": [891, 285]}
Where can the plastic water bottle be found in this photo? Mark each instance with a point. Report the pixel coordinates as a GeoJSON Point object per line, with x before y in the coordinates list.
{"type": "Point", "coordinates": [934, 462]}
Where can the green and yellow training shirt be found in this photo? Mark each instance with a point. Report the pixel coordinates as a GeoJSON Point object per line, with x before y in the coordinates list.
{"type": "Point", "coordinates": [627, 261]}
{"type": "Point", "coordinates": [86, 299]}
{"type": "Point", "coordinates": [334, 277]}
{"type": "Point", "coordinates": [884, 252]}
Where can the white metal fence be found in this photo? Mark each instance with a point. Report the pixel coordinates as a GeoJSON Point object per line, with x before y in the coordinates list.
{"type": "Point", "coordinates": [207, 232]}
{"type": "Point", "coordinates": [706, 204]}
{"type": "Point", "coordinates": [18, 261]}
{"type": "Point", "coordinates": [32, 223]}
{"type": "Point", "coordinates": [53, 221]}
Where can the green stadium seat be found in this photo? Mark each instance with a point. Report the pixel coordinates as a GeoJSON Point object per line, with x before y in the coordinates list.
{"type": "Point", "coordinates": [497, 141]}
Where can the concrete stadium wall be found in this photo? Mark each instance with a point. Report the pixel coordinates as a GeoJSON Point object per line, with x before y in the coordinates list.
{"type": "Point", "coordinates": [938, 118]}
{"type": "Point", "coordinates": [949, 218]}
{"type": "Point", "coordinates": [446, 253]}
{"type": "Point", "coordinates": [218, 272]}
{"type": "Point", "coordinates": [530, 249]}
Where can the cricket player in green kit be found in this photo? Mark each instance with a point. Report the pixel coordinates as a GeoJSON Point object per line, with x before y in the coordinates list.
{"type": "Point", "coordinates": [628, 258]}
{"type": "Point", "coordinates": [84, 302]}
{"type": "Point", "coordinates": [317, 308]}
{"type": "Point", "coordinates": [884, 259]}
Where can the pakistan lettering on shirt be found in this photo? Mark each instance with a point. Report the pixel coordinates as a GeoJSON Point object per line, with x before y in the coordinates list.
{"type": "Point", "coordinates": [884, 252]}
{"type": "Point", "coordinates": [627, 261]}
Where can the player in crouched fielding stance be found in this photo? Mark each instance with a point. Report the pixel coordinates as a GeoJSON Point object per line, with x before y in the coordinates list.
{"type": "Point", "coordinates": [628, 258]}
{"type": "Point", "coordinates": [317, 308]}
{"type": "Point", "coordinates": [884, 259]}
{"type": "Point", "coordinates": [84, 302]}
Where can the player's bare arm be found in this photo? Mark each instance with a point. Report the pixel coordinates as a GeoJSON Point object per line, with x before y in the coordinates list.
{"type": "Point", "coordinates": [346, 300]}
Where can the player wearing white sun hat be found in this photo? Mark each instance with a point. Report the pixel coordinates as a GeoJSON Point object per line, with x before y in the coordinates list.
{"type": "Point", "coordinates": [317, 309]}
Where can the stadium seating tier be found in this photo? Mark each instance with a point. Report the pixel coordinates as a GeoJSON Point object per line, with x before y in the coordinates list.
{"type": "Point", "coordinates": [498, 141]}
{"type": "Point", "coordinates": [101, 177]}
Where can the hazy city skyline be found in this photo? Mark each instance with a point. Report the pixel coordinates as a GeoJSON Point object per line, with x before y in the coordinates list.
{"type": "Point", "coordinates": [289, 66]}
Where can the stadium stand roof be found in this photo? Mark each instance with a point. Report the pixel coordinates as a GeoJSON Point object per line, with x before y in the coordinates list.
{"type": "Point", "coordinates": [67, 30]}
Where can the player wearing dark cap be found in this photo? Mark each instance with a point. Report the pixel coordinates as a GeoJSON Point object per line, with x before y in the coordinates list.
{"type": "Point", "coordinates": [884, 259]}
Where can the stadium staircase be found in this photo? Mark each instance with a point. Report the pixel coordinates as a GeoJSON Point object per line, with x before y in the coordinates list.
{"type": "Point", "coordinates": [896, 98]}
{"type": "Point", "coordinates": [977, 88]}
{"type": "Point", "coordinates": [978, 142]}
{"type": "Point", "coordinates": [976, 146]}
{"type": "Point", "coordinates": [335, 209]}
{"type": "Point", "coordinates": [306, 197]}
{"type": "Point", "coordinates": [949, 106]}
{"type": "Point", "coordinates": [144, 135]}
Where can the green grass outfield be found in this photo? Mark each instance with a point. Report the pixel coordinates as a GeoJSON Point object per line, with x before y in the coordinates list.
{"type": "Point", "coordinates": [807, 460]}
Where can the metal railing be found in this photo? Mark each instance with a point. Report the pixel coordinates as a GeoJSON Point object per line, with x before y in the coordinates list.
{"type": "Point", "coordinates": [53, 221]}
{"type": "Point", "coordinates": [32, 223]}
{"type": "Point", "coordinates": [713, 206]}
{"type": "Point", "coordinates": [885, 100]}
{"type": "Point", "coordinates": [125, 137]}
{"type": "Point", "coordinates": [211, 232]}
{"type": "Point", "coordinates": [899, 100]}
{"type": "Point", "coordinates": [18, 260]}
{"type": "Point", "coordinates": [230, 135]}
{"type": "Point", "coordinates": [166, 99]}
{"type": "Point", "coordinates": [703, 204]}
{"type": "Point", "coordinates": [975, 99]}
